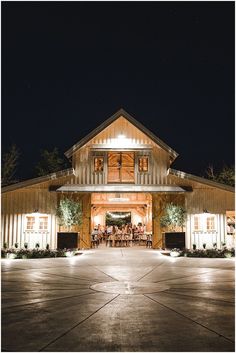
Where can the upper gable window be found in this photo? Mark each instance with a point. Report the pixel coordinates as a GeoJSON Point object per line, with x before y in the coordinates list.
{"type": "Point", "coordinates": [98, 164]}
{"type": "Point", "coordinates": [143, 164]}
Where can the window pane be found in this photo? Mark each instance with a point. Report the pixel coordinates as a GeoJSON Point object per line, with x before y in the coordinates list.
{"type": "Point", "coordinates": [196, 223]}
{"type": "Point", "coordinates": [210, 223]}
{"type": "Point", "coordinates": [43, 223]}
{"type": "Point", "coordinates": [30, 223]}
{"type": "Point", "coordinates": [143, 164]}
{"type": "Point", "coordinates": [98, 164]}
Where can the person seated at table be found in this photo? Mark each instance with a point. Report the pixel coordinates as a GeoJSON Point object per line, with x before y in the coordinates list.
{"type": "Point", "coordinates": [149, 241]}
{"type": "Point", "coordinates": [94, 232]}
{"type": "Point", "coordinates": [113, 235]}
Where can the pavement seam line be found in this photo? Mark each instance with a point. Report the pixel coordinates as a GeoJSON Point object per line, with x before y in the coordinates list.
{"type": "Point", "coordinates": [173, 279]}
{"type": "Point", "coordinates": [79, 323]}
{"type": "Point", "coordinates": [105, 274]}
{"type": "Point", "coordinates": [186, 317]}
{"type": "Point", "coordinates": [195, 297]}
{"type": "Point", "coordinates": [54, 274]}
{"type": "Point", "coordinates": [47, 300]}
{"type": "Point", "coordinates": [150, 271]}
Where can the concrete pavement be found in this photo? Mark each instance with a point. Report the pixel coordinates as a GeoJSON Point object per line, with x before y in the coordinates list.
{"type": "Point", "coordinates": [129, 299]}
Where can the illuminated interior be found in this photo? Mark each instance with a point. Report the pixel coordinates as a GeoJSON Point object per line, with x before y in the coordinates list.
{"type": "Point", "coordinates": [138, 205]}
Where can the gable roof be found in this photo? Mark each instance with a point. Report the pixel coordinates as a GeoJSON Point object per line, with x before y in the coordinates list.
{"type": "Point", "coordinates": [201, 180]}
{"type": "Point", "coordinates": [41, 179]}
{"type": "Point", "coordinates": [121, 112]}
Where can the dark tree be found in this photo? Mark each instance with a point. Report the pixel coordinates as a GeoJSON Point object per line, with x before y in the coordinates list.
{"type": "Point", "coordinates": [225, 176]}
{"type": "Point", "coordinates": [10, 160]}
{"type": "Point", "coordinates": [50, 162]}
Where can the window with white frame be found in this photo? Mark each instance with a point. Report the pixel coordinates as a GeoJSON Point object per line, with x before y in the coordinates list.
{"type": "Point", "coordinates": [36, 223]}
{"type": "Point", "coordinates": [43, 223]}
{"type": "Point", "coordinates": [197, 223]}
{"type": "Point", "coordinates": [30, 223]}
{"type": "Point", "coordinates": [210, 223]}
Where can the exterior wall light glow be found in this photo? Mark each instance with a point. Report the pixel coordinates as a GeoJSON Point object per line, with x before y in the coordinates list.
{"type": "Point", "coordinates": [119, 199]}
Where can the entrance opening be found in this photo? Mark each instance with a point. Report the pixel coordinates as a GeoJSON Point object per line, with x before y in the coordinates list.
{"type": "Point", "coordinates": [121, 216]}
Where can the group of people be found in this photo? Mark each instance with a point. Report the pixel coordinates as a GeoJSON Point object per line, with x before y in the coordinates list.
{"type": "Point", "coordinates": [124, 235]}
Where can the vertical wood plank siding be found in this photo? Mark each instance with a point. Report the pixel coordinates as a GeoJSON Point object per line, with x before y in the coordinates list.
{"type": "Point", "coordinates": [16, 204]}
{"type": "Point", "coordinates": [158, 158]}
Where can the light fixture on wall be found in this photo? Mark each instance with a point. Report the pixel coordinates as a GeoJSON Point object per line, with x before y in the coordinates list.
{"type": "Point", "coordinates": [118, 198]}
{"type": "Point", "coordinates": [205, 210]}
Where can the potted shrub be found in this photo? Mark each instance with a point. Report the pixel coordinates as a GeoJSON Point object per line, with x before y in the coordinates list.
{"type": "Point", "coordinates": [173, 218]}
{"type": "Point", "coordinates": [69, 213]}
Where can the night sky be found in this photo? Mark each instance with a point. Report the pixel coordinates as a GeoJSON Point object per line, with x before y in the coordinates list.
{"type": "Point", "coordinates": [68, 66]}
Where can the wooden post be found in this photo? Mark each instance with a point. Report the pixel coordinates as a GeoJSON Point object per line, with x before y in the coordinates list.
{"type": "Point", "coordinates": [158, 206]}
{"type": "Point", "coordinates": [85, 229]}
{"type": "Point", "coordinates": [157, 211]}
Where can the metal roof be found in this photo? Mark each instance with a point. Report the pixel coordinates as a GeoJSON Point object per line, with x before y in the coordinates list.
{"type": "Point", "coordinates": [201, 180]}
{"type": "Point", "coordinates": [29, 182]}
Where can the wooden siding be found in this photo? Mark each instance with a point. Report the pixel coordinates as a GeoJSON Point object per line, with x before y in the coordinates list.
{"type": "Point", "coordinates": [204, 197]}
{"type": "Point", "coordinates": [199, 238]}
{"type": "Point", "coordinates": [15, 205]}
{"type": "Point", "coordinates": [159, 160]}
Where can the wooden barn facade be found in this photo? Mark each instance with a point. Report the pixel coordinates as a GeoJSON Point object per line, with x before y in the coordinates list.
{"type": "Point", "coordinates": [119, 167]}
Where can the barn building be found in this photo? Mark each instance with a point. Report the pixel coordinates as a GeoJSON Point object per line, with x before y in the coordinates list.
{"type": "Point", "coordinates": [119, 168]}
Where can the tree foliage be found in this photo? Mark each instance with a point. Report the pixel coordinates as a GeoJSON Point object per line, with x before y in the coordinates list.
{"type": "Point", "coordinates": [225, 176]}
{"type": "Point", "coordinates": [69, 212]}
{"type": "Point", "coordinates": [10, 161]}
{"type": "Point", "coordinates": [174, 216]}
{"type": "Point", "coordinates": [50, 162]}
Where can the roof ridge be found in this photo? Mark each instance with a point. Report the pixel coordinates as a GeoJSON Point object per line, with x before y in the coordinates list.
{"type": "Point", "coordinates": [110, 120]}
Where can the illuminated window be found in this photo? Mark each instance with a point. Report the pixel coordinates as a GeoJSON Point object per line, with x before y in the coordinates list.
{"type": "Point", "coordinates": [210, 223]}
{"type": "Point", "coordinates": [43, 223]}
{"type": "Point", "coordinates": [197, 225]}
{"type": "Point", "coordinates": [36, 223]}
{"type": "Point", "coordinates": [30, 223]}
{"type": "Point", "coordinates": [143, 164]}
{"type": "Point", "coordinates": [98, 164]}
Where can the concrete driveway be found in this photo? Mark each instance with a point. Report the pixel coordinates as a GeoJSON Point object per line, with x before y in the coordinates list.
{"type": "Point", "coordinates": [118, 300]}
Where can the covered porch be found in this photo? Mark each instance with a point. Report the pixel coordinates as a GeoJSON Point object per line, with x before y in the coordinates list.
{"type": "Point", "coordinates": [144, 204]}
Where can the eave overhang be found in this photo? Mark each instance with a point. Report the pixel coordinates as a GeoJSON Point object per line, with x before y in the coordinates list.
{"type": "Point", "coordinates": [201, 180]}
{"type": "Point", "coordinates": [34, 181]}
{"type": "Point", "coordinates": [121, 188]}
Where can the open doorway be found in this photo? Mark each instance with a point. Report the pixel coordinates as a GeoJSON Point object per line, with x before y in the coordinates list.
{"type": "Point", "coordinates": [127, 215]}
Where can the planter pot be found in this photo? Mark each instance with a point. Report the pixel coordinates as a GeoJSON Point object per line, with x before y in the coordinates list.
{"type": "Point", "coordinates": [174, 254]}
{"type": "Point", "coordinates": [67, 240]}
{"type": "Point", "coordinates": [173, 240]}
